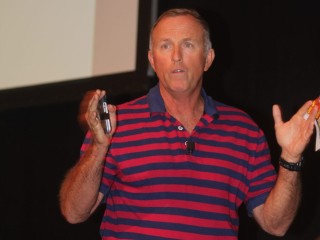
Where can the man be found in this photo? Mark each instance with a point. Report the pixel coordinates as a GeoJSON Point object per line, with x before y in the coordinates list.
{"type": "Point", "coordinates": [177, 164]}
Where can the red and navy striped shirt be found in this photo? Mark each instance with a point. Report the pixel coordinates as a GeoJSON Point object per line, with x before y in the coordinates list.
{"type": "Point", "coordinates": [155, 190]}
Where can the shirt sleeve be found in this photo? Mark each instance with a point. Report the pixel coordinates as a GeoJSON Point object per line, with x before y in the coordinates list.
{"type": "Point", "coordinates": [261, 175]}
{"type": "Point", "coordinates": [109, 172]}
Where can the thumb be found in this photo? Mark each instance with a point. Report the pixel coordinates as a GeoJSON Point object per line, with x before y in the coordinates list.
{"type": "Point", "coordinates": [277, 117]}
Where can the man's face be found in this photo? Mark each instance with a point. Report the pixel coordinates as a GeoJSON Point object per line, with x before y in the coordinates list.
{"type": "Point", "coordinates": [178, 54]}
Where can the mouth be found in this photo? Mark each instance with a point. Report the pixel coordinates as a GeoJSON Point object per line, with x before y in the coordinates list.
{"type": "Point", "coordinates": [177, 71]}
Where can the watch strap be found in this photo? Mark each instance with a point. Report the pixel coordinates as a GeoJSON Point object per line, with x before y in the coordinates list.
{"type": "Point", "coordinates": [291, 166]}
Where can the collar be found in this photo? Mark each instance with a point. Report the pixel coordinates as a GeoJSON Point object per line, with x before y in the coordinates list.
{"type": "Point", "coordinates": [156, 103]}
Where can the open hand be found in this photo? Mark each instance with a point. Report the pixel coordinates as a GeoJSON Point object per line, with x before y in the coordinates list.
{"type": "Point", "coordinates": [294, 135]}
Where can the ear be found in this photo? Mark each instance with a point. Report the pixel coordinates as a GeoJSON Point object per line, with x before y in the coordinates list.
{"type": "Point", "coordinates": [209, 59]}
{"type": "Point", "coordinates": [150, 57]}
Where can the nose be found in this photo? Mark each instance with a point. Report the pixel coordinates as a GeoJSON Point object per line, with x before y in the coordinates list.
{"type": "Point", "coordinates": [176, 54]}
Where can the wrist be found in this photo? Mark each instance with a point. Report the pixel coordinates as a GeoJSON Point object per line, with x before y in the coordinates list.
{"type": "Point", "coordinates": [289, 157]}
{"type": "Point", "coordinates": [97, 150]}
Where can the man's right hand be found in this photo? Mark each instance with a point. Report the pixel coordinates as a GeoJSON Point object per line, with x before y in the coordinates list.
{"type": "Point", "coordinates": [100, 138]}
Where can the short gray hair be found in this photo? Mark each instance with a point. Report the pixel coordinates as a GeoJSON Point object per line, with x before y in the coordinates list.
{"type": "Point", "coordinates": [182, 12]}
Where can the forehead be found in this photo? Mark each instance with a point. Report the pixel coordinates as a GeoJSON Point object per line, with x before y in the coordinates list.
{"type": "Point", "coordinates": [184, 26]}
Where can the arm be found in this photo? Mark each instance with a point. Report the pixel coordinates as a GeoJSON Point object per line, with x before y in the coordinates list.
{"type": "Point", "coordinates": [79, 192]}
{"type": "Point", "coordinates": [279, 210]}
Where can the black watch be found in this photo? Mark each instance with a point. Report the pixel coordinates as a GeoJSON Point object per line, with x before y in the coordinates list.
{"type": "Point", "coordinates": [291, 166]}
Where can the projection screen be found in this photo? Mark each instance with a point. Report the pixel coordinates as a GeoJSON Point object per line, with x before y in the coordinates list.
{"type": "Point", "coordinates": [53, 41]}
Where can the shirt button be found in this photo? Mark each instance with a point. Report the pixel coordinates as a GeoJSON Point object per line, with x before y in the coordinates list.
{"type": "Point", "coordinates": [180, 128]}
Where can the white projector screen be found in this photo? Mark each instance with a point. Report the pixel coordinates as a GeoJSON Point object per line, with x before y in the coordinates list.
{"type": "Point", "coordinates": [52, 41]}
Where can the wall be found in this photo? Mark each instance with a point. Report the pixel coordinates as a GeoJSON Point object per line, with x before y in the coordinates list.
{"type": "Point", "coordinates": [266, 52]}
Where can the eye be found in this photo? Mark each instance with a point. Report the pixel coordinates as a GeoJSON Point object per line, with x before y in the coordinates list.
{"type": "Point", "coordinates": [188, 44]}
{"type": "Point", "coordinates": [165, 46]}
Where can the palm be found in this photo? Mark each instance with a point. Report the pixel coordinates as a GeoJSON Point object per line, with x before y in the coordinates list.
{"type": "Point", "coordinates": [293, 135]}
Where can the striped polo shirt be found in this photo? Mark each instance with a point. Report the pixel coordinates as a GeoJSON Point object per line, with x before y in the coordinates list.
{"type": "Point", "coordinates": [155, 189]}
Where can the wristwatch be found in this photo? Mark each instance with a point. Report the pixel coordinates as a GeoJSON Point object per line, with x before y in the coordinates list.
{"type": "Point", "coordinates": [291, 166]}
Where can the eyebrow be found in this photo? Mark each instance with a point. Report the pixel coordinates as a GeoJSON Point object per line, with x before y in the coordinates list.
{"type": "Point", "coordinates": [169, 40]}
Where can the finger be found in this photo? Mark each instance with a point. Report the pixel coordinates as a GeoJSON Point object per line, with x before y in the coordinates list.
{"type": "Point", "coordinates": [314, 112]}
{"type": "Point", "coordinates": [311, 120]}
{"type": "Point", "coordinates": [94, 101]}
{"type": "Point", "coordinates": [102, 93]}
{"type": "Point", "coordinates": [91, 114]}
{"type": "Point", "coordinates": [303, 110]}
{"type": "Point", "coordinates": [277, 116]}
{"type": "Point", "coordinates": [83, 107]}
{"type": "Point", "coordinates": [112, 113]}
{"type": "Point", "coordinates": [112, 109]}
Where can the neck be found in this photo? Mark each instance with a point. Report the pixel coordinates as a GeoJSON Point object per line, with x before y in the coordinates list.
{"type": "Point", "coordinates": [186, 109]}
